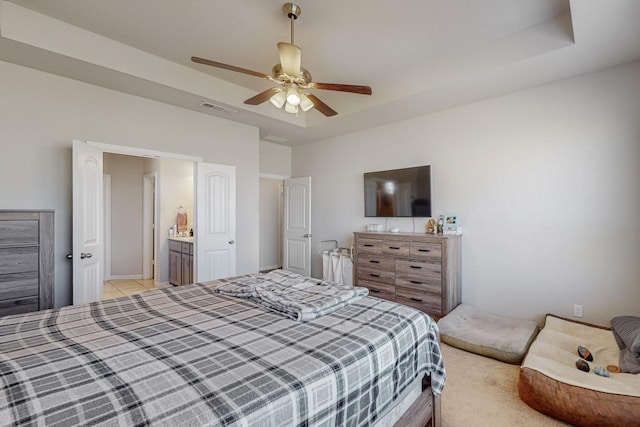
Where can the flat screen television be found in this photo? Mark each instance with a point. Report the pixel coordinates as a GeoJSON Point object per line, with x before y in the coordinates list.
{"type": "Point", "coordinates": [398, 193]}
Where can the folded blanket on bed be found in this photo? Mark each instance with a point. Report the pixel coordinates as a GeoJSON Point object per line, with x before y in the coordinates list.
{"type": "Point", "coordinates": [297, 297]}
{"type": "Point", "coordinates": [626, 330]}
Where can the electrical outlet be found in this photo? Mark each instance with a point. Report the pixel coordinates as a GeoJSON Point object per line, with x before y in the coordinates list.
{"type": "Point", "coordinates": [577, 310]}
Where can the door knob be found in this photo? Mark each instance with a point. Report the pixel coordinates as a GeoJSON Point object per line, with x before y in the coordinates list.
{"type": "Point", "coordinates": [85, 255]}
{"type": "Point", "coordinates": [69, 256]}
{"type": "Point", "coordinates": [231, 242]}
{"type": "Point", "coordinates": [307, 235]}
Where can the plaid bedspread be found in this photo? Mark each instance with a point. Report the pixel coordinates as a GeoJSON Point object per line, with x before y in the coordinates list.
{"type": "Point", "coordinates": [298, 297]}
{"type": "Point", "coordinates": [189, 356]}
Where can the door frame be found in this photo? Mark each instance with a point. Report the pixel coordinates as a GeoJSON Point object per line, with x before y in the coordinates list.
{"type": "Point", "coordinates": [280, 224]}
{"type": "Point", "coordinates": [106, 188]}
{"type": "Point", "coordinates": [143, 152]}
{"type": "Point", "coordinates": [155, 154]}
{"type": "Point", "coordinates": [149, 225]}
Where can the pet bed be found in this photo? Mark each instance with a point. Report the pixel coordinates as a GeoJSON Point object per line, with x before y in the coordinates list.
{"type": "Point", "coordinates": [550, 382]}
{"type": "Point", "coordinates": [503, 338]}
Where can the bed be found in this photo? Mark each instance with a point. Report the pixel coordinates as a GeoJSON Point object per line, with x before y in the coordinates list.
{"type": "Point", "coordinates": [191, 356]}
{"type": "Point", "coordinates": [550, 382]}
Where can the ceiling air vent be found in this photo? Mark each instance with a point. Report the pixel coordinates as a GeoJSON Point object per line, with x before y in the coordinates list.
{"type": "Point", "coordinates": [275, 139]}
{"type": "Point", "coordinates": [217, 108]}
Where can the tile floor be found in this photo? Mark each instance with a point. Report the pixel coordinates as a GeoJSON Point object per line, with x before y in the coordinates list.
{"type": "Point", "coordinates": [120, 288]}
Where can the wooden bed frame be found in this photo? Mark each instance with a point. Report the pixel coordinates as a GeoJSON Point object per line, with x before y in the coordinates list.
{"type": "Point", "coordinates": [425, 411]}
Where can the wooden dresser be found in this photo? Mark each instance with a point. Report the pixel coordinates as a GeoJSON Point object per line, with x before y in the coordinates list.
{"type": "Point", "coordinates": [26, 261]}
{"type": "Point", "coordinates": [419, 270]}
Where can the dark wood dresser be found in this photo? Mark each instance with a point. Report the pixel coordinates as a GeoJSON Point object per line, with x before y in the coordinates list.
{"type": "Point", "coordinates": [419, 270]}
{"type": "Point", "coordinates": [26, 261]}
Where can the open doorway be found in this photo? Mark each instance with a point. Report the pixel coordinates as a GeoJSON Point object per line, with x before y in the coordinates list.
{"type": "Point", "coordinates": [149, 221]}
{"type": "Point", "coordinates": [214, 219]}
{"type": "Point", "coordinates": [141, 204]}
{"type": "Point", "coordinates": [271, 203]}
{"type": "Point", "coordinates": [285, 224]}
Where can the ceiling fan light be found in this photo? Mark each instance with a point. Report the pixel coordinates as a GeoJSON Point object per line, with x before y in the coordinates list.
{"type": "Point", "coordinates": [305, 103]}
{"type": "Point", "coordinates": [289, 108]}
{"type": "Point", "coordinates": [293, 97]}
{"type": "Point", "coordinates": [289, 58]}
{"type": "Point", "coordinates": [279, 99]}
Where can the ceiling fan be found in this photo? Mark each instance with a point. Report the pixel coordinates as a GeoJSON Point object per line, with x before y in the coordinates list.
{"type": "Point", "coordinates": [293, 80]}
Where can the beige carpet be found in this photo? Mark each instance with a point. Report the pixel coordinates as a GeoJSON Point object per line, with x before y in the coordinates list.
{"type": "Point", "coordinates": [484, 392]}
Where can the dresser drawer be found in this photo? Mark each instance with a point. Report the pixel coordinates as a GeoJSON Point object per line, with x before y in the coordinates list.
{"type": "Point", "coordinates": [424, 301]}
{"type": "Point", "coordinates": [419, 274]}
{"type": "Point", "coordinates": [377, 263]}
{"type": "Point", "coordinates": [370, 246]}
{"type": "Point", "coordinates": [17, 233]}
{"type": "Point", "coordinates": [18, 260]}
{"type": "Point", "coordinates": [375, 272]}
{"type": "Point", "coordinates": [379, 290]}
{"type": "Point", "coordinates": [425, 250]}
{"type": "Point", "coordinates": [395, 247]}
{"type": "Point", "coordinates": [17, 306]}
{"type": "Point", "coordinates": [19, 285]}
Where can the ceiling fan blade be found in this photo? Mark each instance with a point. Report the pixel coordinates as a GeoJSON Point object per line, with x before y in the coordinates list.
{"type": "Point", "coordinates": [362, 90]}
{"type": "Point", "coordinates": [229, 67]}
{"type": "Point", "coordinates": [321, 106]}
{"type": "Point", "coordinates": [290, 58]}
{"type": "Point", "coordinates": [262, 96]}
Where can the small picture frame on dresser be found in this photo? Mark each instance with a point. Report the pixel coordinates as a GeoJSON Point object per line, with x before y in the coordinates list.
{"type": "Point", "coordinates": [452, 224]}
{"type": "Point", "coordinates": [451, 221]}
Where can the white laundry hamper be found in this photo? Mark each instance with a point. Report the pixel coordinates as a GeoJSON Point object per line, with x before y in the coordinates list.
{"type": "Point", "coordinates": [337, 265]}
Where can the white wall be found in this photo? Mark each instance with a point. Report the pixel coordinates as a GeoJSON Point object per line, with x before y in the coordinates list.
{"type": "Point", "coordinates": [546, 182]}
{"type": "Point", "coordinates": [40, 114]}
{"type": "Point", "coordinates": [126, 214]}
{"type": "Point", "coordinates": [275, 159]}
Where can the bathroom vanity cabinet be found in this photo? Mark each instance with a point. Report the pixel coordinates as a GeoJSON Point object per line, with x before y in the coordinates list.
{"type": "Point", "coordinates": [180, 261]}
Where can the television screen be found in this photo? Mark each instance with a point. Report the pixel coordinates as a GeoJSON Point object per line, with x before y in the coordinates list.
{"type": "Point", "coordinates": [398, 193]}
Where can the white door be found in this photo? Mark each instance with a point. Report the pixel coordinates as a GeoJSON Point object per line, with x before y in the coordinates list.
{"type": "Point", "coordinates": [88, 242]}
{"type": "Point", "coordinates": [215, 227]}
{"type": "Point", "coordinates": [297, 225]}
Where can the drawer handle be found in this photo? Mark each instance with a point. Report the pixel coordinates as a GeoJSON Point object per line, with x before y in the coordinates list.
{"type": "Point", "coordinates": [394, 247]}
{"type": "Point", "coordinates": [424, 250]}
{"type": "Point", "coordinates": [375, 291]}
{"type": "Point", "coordinates": [417, 267]}
{"type": "Point", "coordinates": [374, 275]}
{"type": "Point", "coordinates": [373, 261]}
{"type": "Point", "coordinates": [367, 245]}
{"type": "Point", "coordinates": [416, 299]}
{"type": "Point", "coordinates": [415, 282]}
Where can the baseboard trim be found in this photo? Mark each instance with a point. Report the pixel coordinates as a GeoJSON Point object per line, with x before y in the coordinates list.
{"type": "Point", "coordinates": [126, 277]}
